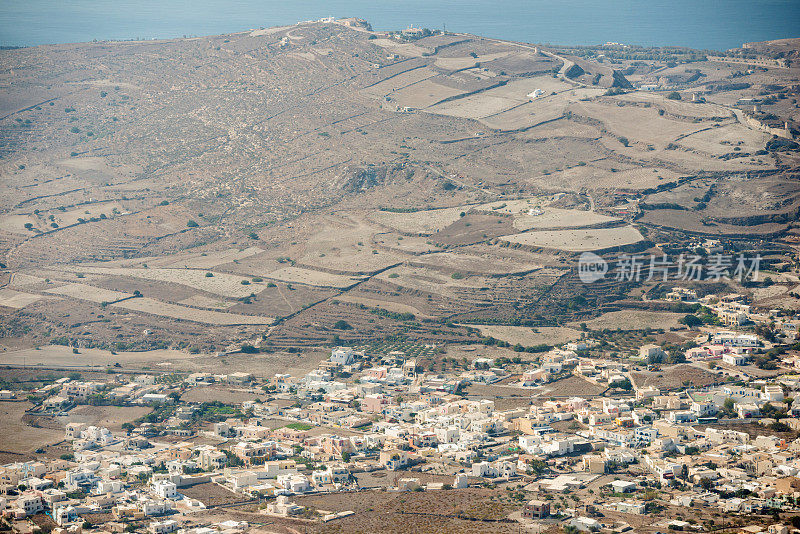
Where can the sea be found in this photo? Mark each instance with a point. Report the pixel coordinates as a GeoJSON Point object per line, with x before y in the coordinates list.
{"type": "Point", "coordinates": [701, 24]}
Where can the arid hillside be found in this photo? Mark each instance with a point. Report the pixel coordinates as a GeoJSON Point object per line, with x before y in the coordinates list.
{"type": "Point", "coordinates": [299, 185]}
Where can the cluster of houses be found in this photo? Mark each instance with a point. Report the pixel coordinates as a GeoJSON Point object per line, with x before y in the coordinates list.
{"type": "Point", "coordinates": [352, 416]}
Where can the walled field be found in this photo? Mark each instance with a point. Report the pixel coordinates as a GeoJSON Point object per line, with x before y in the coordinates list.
{"type": "Point", "coordinates": [222, 394]}
{"type": "Point", "coordinates": [201, 301]}
{"type": "Point", "coordinates": [111, 417]}
{"type": "Point", "coordinates": [638, 124]}
{"type": "Point", "coordinates": [423, 94]}
{"type": "Point", "coordinates": [593, 177]}
{"type": "Point", "coordinates": [471, 264]}
{"type": "Point", "coordinates": [213, 259]}
{"type": "Point", "coordinates": [420, 222]}
{"type": "Point", "coordinates": [475, 106]}
{"type": "Point", "coordinates": [263, 365]}
{"type": "Point", "coordinates": [528, 336]}
{"type": "Point", "coordinates": [694, 221]}
{"type": "Point", "coordinates": [223, 284]}
{"type": "Point", "coordinates": [17, 299]}
{"type": "Point", "coordinates": [15, 224]}
{"type": "Point", "coordinates": [407, 512]}
{"type": "Point", "coordinates": [457, 63]}
{"type": "Point", "coordinates": [210, 494]}
{"type": "Point", "coordinates": [174, 311]}
{"type": "Point", "coordinates": [387, 305]}
{"type": "Point", "coordinates": [345, 249]}
{"type": "Point", "coordinates": [634, 320]}
{"type": "Point", "coordinates": [578, 240]}
{"type": "Point", "coordinates": [673, 107]}
{"type": "Point", "coordinates": [19, 437]}
{"type": "Point", "coordinates": [312, 278]}
{"type": "Point", "coordinates": [553, 218]}
{"type": "Point", "coordinates": [474, 228]}
{"type": "Point", "coordinates": [87, 292]}
{"type": "Point", "coordinates": [570, 386]}
{"type": "Point", "coordinates": [22, 280]}
{"type": "Point", "coordinates": [400, 81]}
{"type": "Point", "coordinates": [510, 207]}
{"type": "Point", "coordinates": [722, 140]}
{"type": "Point", "coordinates": [62, 356]}
{"type": "Point", "coordinates": [404, 244]}
{"type": "Point", "coordinates": [403, 49]}
{"type": "Point", "coordinates": [675, 377]}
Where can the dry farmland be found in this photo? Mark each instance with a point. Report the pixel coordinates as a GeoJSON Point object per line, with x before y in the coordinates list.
{"type": "Point", "coordinates": [578, 240]}
{"type": "Point", "coordinates": [184, 313]}
{"type": "Point", "coordinates": [634, 320]}
{"type": "Point", "coordinates": [349, 184]}
{"type": "Point", "coordinates": [528, 336]}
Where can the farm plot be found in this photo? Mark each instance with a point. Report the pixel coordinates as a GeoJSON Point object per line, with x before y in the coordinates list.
{"type": "Point", "coordinates": [524, 116]}
{"type": "Point", "coordinates": [475, 107]}
{"type": "Point", "coordinates": [227, 285]}
{"type": "Point", "coordinates": [87, 292]}
{"type": "Point", "coordinates": [62, 356]}
{"type": "Point", "coordinates": [527, 336]}
{"type": "Point", "coordinates": [111, 417]}
{"type": "Point", "coordinates": [202, 301]}
{"type": "Point", "coordinates": [545, 108]}
{"type": "Point", "coordinates": [213, 259]}
{"type": "Point", "coordinates": [487, 265]}
{"type": "Point", "coordinates": [509, 207]}
{"type": "Point", "coordinates": [675, 377]}
{"type": "Point", "coordinates": [403, 49]}
{"type": "Point", "coordinates": [428, 280]}
{"type": "Point", "coordinates": [17, 299]}
{"type": "Point", "coordinates": [22, 280]}
{"type": "Point", "coordinates": [633, 320]}
{"type": "Point", "coordinates": [15, 224]}
{"type": "Point", "coordinates": [175, 311]}
{"type": "Point", "coordinates": [398, 82]}
{"type": "Point", "coordinates": [19, 437]}
{"type": "Point", "coordinates": [458, 63]}
{"type": "Point", "coordinates": [578, 240]}
{"type": "Point", "coordinates": [508, 99]}
{"type": "Point", "coordinates": [569, 386]}
{"type": "Point", "coordinates": [343, 247]}
{"type": "Point", "coordinates": [474, 228]}
{"type": "Point", "coordinates": [520, 89]}
{"type": "Point", "coordinates": [312, 278]}
{"type": "Point", "coordinates": [424, 93]}
{"type": "Point", "coordinates": [561, 218]}
{"type": "Point", "coordinates": [388, 305]}
{"type": "Point", "coordinates": [674, 107]}
{"type": "Point", "coordinates": [420, 222]}
{"type": "Point", "coordinates": [591, 177]}
{"type": "Point", "coordinates": [722, 140]}
{"type": "Point", "coordinates": [638, 124]}
{"type": "Point", "coordinates": [695, 222]}
{"type": "Point", "coordinates": [404, 244]}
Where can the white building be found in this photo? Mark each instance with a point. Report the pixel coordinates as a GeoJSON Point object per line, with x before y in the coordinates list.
{"type": "Point", "coordinates": [166, 489]}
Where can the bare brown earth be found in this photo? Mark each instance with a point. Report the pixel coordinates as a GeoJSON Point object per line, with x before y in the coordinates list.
{"type": "Point", "coordinates": [196, 194]}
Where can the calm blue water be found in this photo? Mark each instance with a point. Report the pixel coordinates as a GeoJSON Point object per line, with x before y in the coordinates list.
{"type": "Point", "coordinates": [714, 24]}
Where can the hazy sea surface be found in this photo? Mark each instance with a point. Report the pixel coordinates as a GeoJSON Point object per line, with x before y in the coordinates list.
{"type": "Point", "coordinates": [713, 24]}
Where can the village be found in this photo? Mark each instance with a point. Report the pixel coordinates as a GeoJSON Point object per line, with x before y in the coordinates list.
{"type": "Point", "coordinates": [723, 451]}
